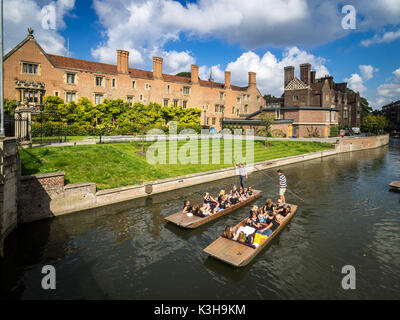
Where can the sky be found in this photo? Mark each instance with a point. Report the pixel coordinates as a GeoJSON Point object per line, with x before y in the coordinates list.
{"type": "Point", "coordinates": [262, 36]}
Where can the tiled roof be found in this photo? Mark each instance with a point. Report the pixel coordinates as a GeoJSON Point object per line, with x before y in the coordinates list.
{"type": "Point", "coordinates": [97, 67]}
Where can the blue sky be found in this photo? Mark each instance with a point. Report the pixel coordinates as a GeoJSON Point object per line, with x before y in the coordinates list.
{"type": "Point", "coordinates": [256, 35]}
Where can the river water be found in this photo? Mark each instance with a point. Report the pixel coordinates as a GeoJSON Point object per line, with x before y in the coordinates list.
{"type": "Point", "coordinates": [346, 216]}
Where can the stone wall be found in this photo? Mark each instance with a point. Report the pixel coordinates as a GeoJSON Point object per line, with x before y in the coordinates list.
{"type": "Point", "coordinates": [44, 196]}
{"type": "Point", "coordinates": [9, 176]}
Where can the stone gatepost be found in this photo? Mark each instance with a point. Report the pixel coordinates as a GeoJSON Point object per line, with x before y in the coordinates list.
{"type": "Point", "coordinates": [23, 125]}
{"type": "Point", "coordinates": [9, 179]}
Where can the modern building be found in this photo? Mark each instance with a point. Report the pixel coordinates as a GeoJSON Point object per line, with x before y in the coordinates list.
{"type": "Point", "coordinates": [392, 113]}
{"type": "Point", "coordinates": [308, 106]}
{"type": "Point", "coordinates": [30, 74]}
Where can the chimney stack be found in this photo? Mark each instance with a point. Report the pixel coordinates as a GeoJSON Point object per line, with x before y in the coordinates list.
{"type": "Point", "coordinates": [194, 73]}
{"type": "Point", "coordinates": [227, 79]}
{"type": "Point", "coordinates": [305, 73]}
{"type": "Point", "coordinates": [313, 76]}
{"type": "Point", "coordinates": [157, 67]}
{"type": "Point", "coordinates": [289, 74]}
{"type": "Point", "coordinates": [252, 79]}
{"type": "Point", "coordinates": [122, 61]}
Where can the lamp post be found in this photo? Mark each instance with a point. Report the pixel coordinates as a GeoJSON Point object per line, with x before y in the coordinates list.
{"type": "Point", "coordinates": [1, 73]}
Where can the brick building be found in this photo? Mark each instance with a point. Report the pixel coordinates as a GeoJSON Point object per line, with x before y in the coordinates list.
{"type": "Point", "coordinates": [392, 113]}
{"type": "Point", "coordinates": [309, 105]}
{"type": "Point", "coordinates": [30, 74]}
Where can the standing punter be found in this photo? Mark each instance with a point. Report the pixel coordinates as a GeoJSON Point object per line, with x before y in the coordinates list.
{"type": "Point", "coordinates": [282, 185]}
{"type": "Point", "coordinates": [242, 174]}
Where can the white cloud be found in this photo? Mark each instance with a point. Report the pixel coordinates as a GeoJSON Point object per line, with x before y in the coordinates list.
{"type": "Point", "coordinates": [397, 73]}
{"type": "Point", "coordinates": [367, 71]}
{"type": "Point", "coordinates": [269, 68]}
{"type": "Point", "coordinates": [356, 83]}
{"type": "Point", "coordinates": [175, 62]}
{"type": "Point", "coordinates": [387, 37]}
{"type": "Point", "coordinates": [387, 92]}
{"type": "Point", "coordinates": [19, 15]}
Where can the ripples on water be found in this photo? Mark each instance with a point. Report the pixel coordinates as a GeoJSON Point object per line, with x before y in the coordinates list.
{"type": "Point", "coordinates": [347, 217]}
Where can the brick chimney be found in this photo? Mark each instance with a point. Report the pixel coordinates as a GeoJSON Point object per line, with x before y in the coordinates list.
{"type": "Point", "coordinates": [313, 73]}
{"type": "Point", "coordinates": [157, 67]}
{"type": "Point", "coordinates": [227, 79]}
{"type": "Point", "coordinates": [194, 73]}
{"type": "Point", "coordinates": [122, 61]}
{"type": "Point", "coordinates": [305, 73]}
{"type": "Point", "coordinates": [252, 79]}
{"type": "Point", "coordinates": [289, 74]}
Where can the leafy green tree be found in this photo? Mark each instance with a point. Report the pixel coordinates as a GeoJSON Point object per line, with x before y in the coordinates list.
{"type": "Point", "coordinates": [268, 96]}
{"type": "Point", "coordinates": [184, 74]}
{"type": "Point", "coordinates": [267, 121]}
{"type": "Point", "coordinates": [374, 123]}
{"type": "Point", "coordinates": [10, 105]}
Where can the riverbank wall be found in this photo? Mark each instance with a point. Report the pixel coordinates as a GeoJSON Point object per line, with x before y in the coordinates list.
{"type": "Point", "coordinates": [45, 195]}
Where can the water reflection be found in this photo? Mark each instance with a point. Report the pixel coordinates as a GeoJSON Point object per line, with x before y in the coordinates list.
{"type": "Point", "coordinates": [128, 251]}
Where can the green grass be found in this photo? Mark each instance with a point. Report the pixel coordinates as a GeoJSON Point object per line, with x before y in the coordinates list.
{"type": "Point", "coordinates": [118, 164]}
{"type": "Point", "coordinates": [69, 138]}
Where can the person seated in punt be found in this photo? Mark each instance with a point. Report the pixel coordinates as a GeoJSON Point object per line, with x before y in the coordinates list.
{"type": "Point", "coordinates": [253, 221]}
{"type": "Point", "coordinates": [234, 197]}
{"type": "Point", "coordinates": [241, 237]}
{"type": "Point", "coordinates": [270, 226]}
{"type": "Point", "coordinates": [211, 202]}
{"type": "Point", "coordinates": [202, 210]}
{"type": "Point", "coordinates": [224, 203]}
{"type": "Point", "coordinates": [221, 194]}
{"type": "Point", "coordinates": [269, 206]}
{"type": "Point", "coordinates": [261, 216]}
{"type": "Point", "coordinates": [187, 208]}
{"type": "Point", "coordinates": [249, 192]}
{"type": "Point", "coordinates": [285, 211]}
{"type": "Point", "coordinates": [242, 194]}
{"type": "Point", "coordinates": [230, 233]}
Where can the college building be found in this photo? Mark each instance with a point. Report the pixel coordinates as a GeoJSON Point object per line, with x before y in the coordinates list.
{"type": "Point", "coordinates": [392, 113]}
{"type": "Point", "coordinates": [309, 106]}
{"type": "Point", "coordinates": [30, 74]}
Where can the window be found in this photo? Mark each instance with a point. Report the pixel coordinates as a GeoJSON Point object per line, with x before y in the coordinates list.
{"type": "Point", "coordinates": [345, 114]}
{"type": "Point", "coordinates": [233, 110]}
{"type": "Point", "coordinates": [277, 114]}
{"type": "Point", "coordinates": [147, 86]}
{"type": "Point", "coordinates": [221, 96]}
{"type": "Point", "coordinates": [70, 96]}
{"type": "Point", "coordinates": [130, 100]}
{"type": "Point", "coordinates": [113, 83]}
{"type": "Point", "coordinates": [166, 102]}
{"type": "Point", "coordinates": [175, 103]}
{"type": "Point", "coordinates": [186, 91]}
{"type": "Point", "coordinates": [245, 108]}
{"type": "Point", "coordinates": [134, 84]}
{"type": "Point", "coordinates": [238, 100]}
{"type": "Point", "coordinates": [56, 93]}
{"type": "Point", "coordinates": [99, 81]}
{"type": "Point", "coordinates": [168, 89]}
{"type": "Point", "coordinates": [141, 97]}
{"type": "Point", "coordinates": [30, 68]}
{"type": "Point", "coordinates": [98, 98]}
{"type": "Point", "coordinates": [295, 98]}
{"type": "Point", "coordinates": [213, 121]}
{"type": "Point", "coordinates": [217, 108]}
{"type": "Point", "coordinates": [208, 121]}
{"type": "Point", "coordinates": [328, 117]}
{"type": "Point", "coordinates": [334, 116]}
{"type": "Point", "coordinates": [71, 78]}
{"type": "Point", "coordinates": [184, 104]}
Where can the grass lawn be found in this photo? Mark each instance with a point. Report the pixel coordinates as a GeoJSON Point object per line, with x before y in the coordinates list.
{"type": "Point", "coordinates": [118, 164]}
{"type": "Point", "coordinates": [69, 138]}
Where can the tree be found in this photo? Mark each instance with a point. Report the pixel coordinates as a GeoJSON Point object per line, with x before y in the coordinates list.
{"type": "Point", "coordinates": [184, 74]}
{"type": "Point", "coordinates": [374, 123]}
{"type": "Point", "coordinates": [269, 96]}
{"type": "Point", "coordinates": [10, 106]}
{"type": "Point", "coordinates": [267, 121]}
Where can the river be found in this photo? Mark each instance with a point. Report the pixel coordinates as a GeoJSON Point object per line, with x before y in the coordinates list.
{"type": "Point", "coordinates": [346, 216]}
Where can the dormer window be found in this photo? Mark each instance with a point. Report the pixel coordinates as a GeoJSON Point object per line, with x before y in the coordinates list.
{"type": "Point", "coordinates": [99, 81]}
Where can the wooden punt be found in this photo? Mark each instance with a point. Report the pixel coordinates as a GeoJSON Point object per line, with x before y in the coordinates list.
{"type": "Point", "coordinates": [238, 254]}
{"type": "Point", "coordinates": [184, 221]}
{"type": "Point", "coordinates": [395, 184]}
